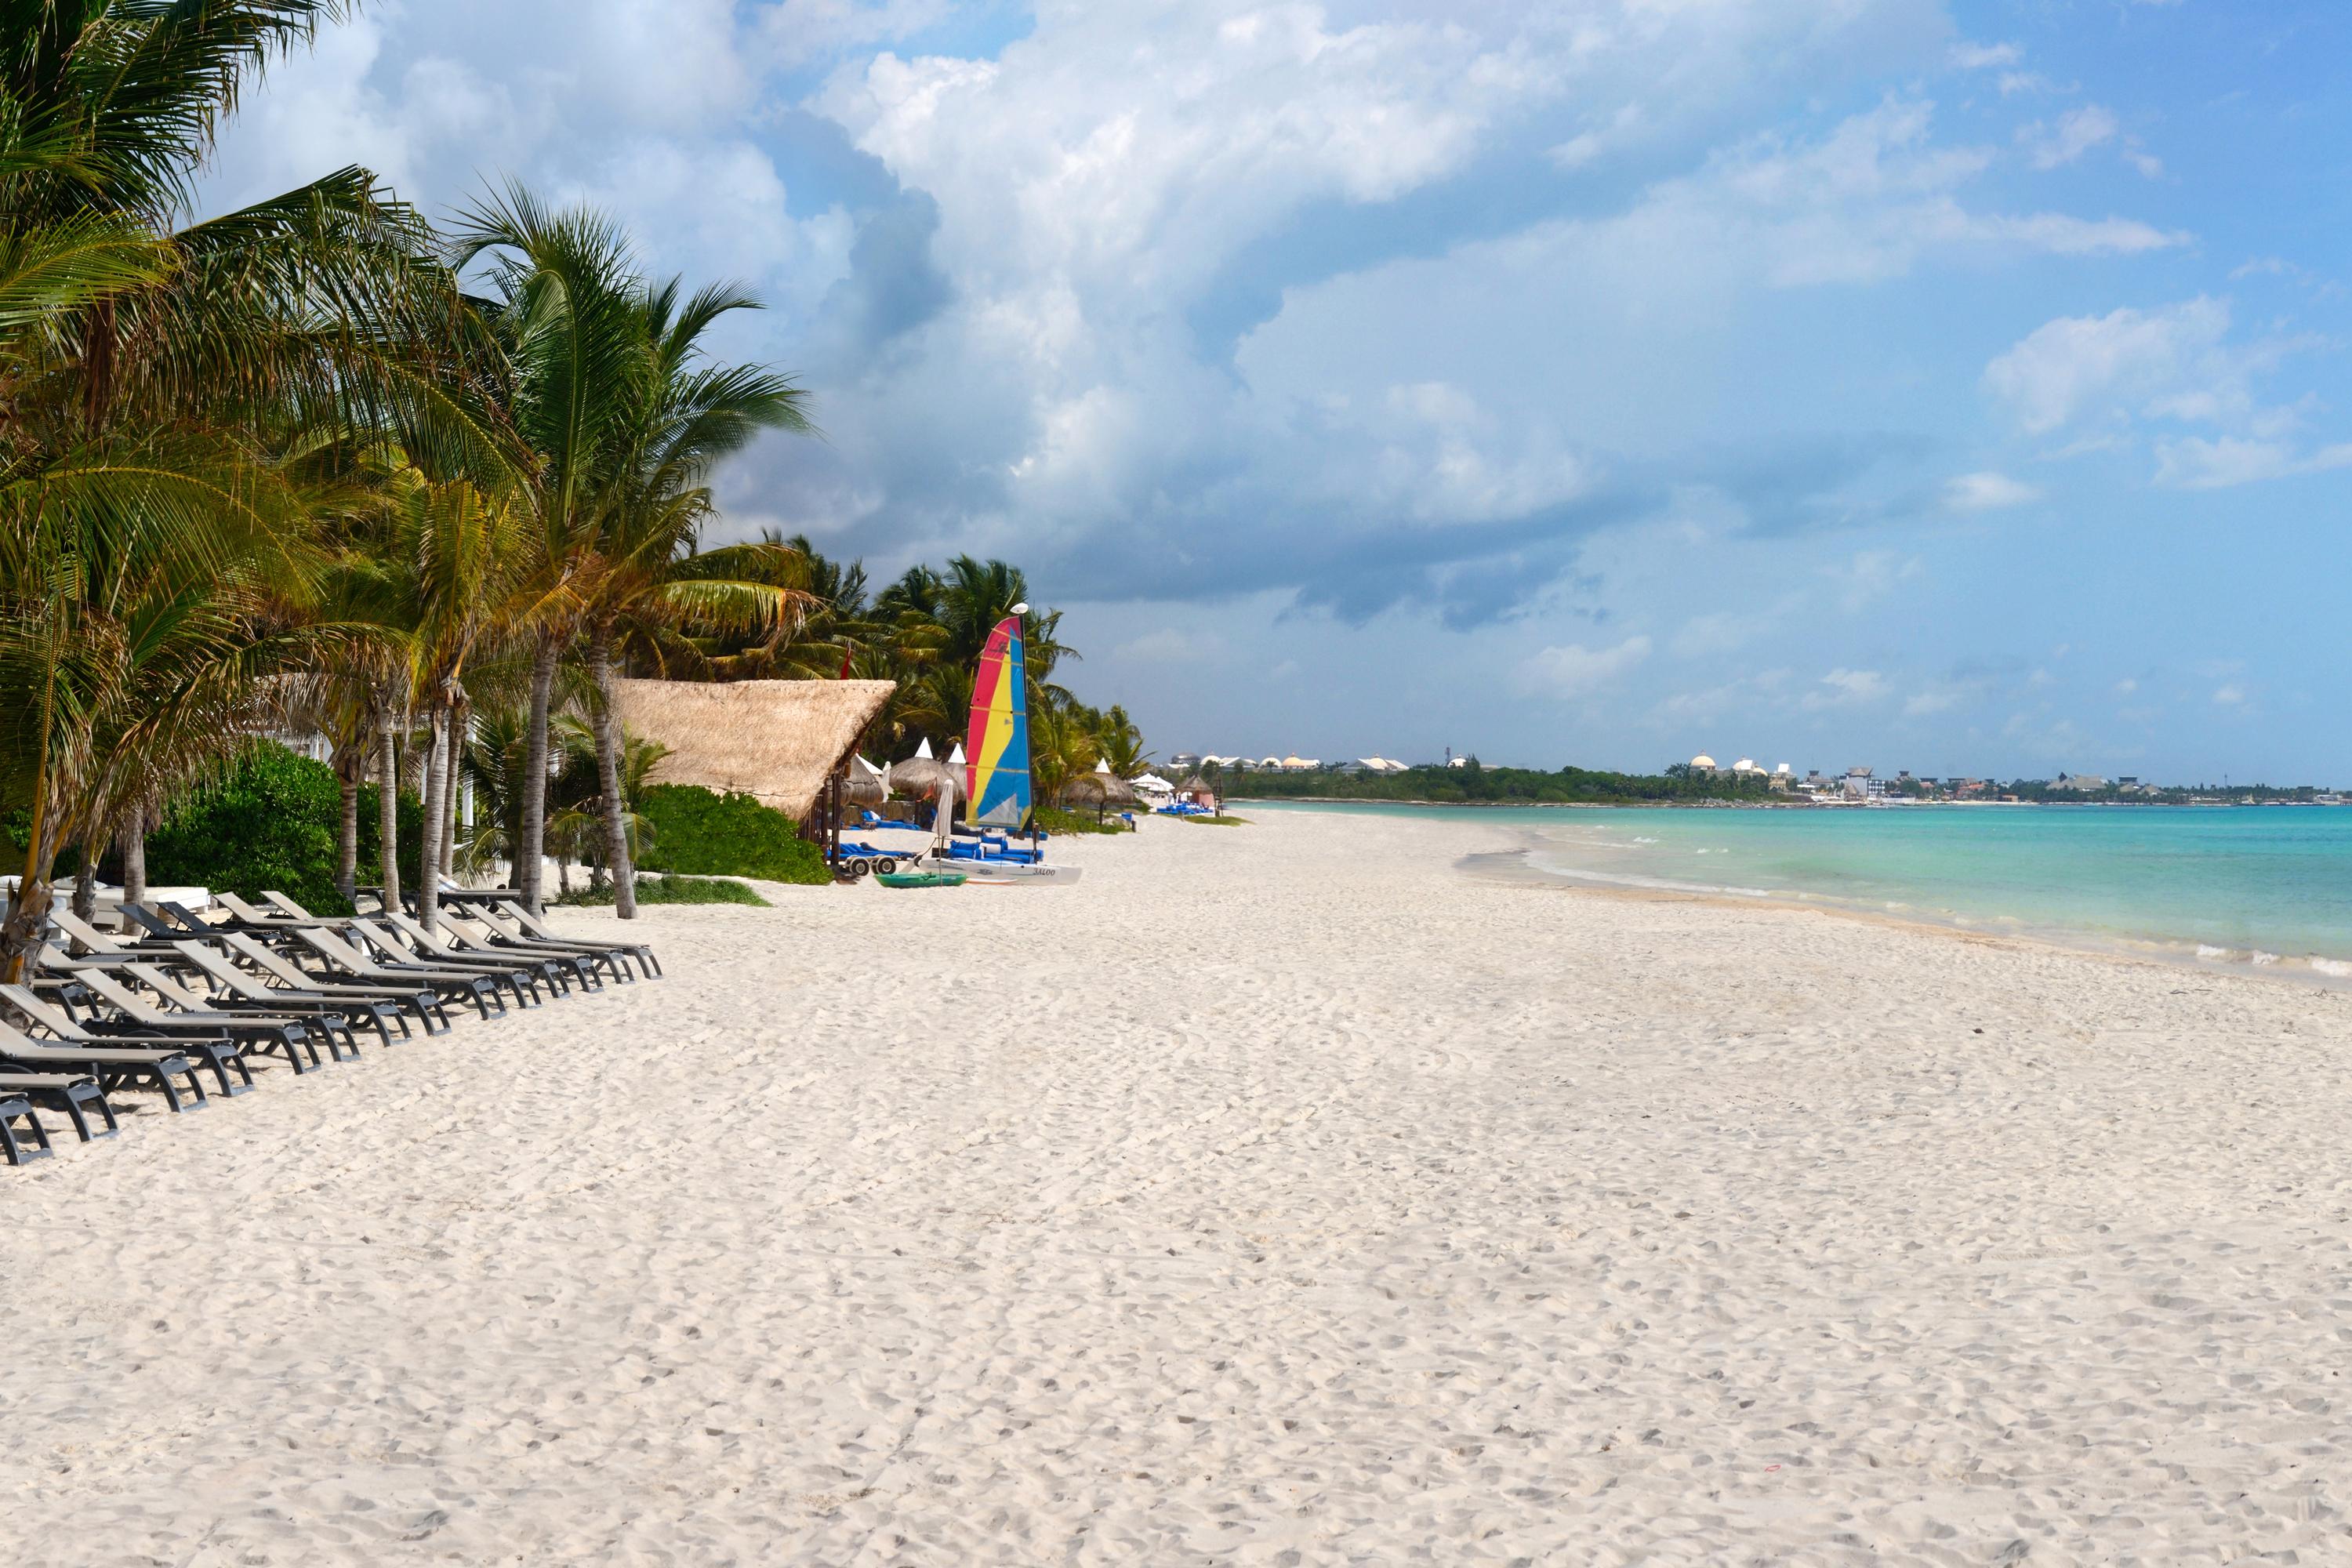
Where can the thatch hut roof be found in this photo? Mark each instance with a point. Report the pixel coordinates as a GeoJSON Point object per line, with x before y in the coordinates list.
{"type": "Point", "coordinates": [779, 741]}
{"type": "Point", "coordinates": [1102, 786]}
{"type": "Point", "coordinates": [920, 775]}
{"type": "Point", "coordinates": [864, 786]}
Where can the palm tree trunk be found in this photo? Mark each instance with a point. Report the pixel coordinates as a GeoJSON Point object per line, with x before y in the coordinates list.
{"type": "Point", "coordinates": [531, 845]}
{"type": "Point", "coordinates": [349, 766]}
{"type": "Point", "coordinates": [387, 817]}
{"type": "Point", "coordinates": [449, 818]}
{"type": "Point", "coordinates": [449, 769]}
{"type": "Point", "coordinates": [428, 855]}
{"type": "Point", "coordinates": [85, 899]}
{"type": "Point", "coordinates": [28, 906]}
{"type": "Point", "coordinates": [608, 774]}
{"type": "Point", "coordinates": [134, 856]}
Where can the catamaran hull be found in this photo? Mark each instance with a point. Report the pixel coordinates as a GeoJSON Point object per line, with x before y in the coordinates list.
{"type": "Point", "coordinates": [1017, 876]}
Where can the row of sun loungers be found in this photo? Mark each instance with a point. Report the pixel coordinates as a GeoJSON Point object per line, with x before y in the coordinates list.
{"type": "Point", "coordinates": [184, 999]}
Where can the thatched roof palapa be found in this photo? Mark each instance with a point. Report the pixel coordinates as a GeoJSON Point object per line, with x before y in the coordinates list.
{"type": "Point", "coordinates": [779, 741]}
{"type": "Point", "coordinates": [920, 775]}
{"type": "Point", "coordinates": [864, 786]}
{"type": "Point", "coordinates": [1101, 785]}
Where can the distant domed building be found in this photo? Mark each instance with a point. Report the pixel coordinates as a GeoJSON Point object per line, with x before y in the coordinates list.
{"type": "Point", "coordinates": [1703, 763]}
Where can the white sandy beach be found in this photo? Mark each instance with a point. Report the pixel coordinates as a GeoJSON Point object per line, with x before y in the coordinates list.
{"type": "Point", "coordinates": [1276, 1195]}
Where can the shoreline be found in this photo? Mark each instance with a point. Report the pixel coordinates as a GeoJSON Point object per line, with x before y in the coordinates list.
{"type": "Point", "coordinates": [1280, 800]}
{"type": "Point", "coordinates": [1485, 865]}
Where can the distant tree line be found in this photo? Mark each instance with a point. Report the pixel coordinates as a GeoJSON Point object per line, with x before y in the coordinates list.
{"type": "Point", "coordinates": [2043, 790]}
{"type": "Point", "coordinates": [1473, 784]}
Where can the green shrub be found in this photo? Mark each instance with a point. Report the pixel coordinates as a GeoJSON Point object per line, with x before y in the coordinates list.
{"type": "Point", "coordinates": [674, 890]}
{"type": "Point", "coordinates": [692, 829]}
{"type": "Point", "coordinates": [268, 825]}
{"type": "Point", "coordinates": [1055, 820]}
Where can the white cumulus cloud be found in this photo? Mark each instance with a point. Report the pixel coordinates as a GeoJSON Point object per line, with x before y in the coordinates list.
{"type": "Point", "coordinates": [1988, 493]}
{"type": "Point", "coordinates": [2076, 133]}
{"type": "Point", "coordinates": [1979, 57]}
{"type": "Point", "coordinates": [1847, 688]}
{"type": "Point", "coordinates": [2177, 365]}
{"type": "Point", "coordinates": [2198, 463]}
{"type": "Point", "coordinates": [2078, 365]}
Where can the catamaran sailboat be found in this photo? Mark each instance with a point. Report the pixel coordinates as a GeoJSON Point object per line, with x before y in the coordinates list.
{"type": "Point", "coordinates": [996, 784]}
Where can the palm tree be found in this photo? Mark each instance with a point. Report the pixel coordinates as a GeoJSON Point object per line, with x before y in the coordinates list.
{"type": "Point", "coordinates": [470, 560]}
{"type": "Point", "coordinates": [137, 631]}
{"type": "Point", "coordinates": [343, 699]}
{"type": "Point", "coordinates": [641, 584]}
{"type": "Point", "coordinates": [833, 635]}
{"type": "Point", "coordinates": [167, 388]}
{"type": "Point", "coordinates": [564, 310]}
{"type": "Point", "coordinates": [1061, 748]}
{"type": "Point", "coordinates": [1119, 742]}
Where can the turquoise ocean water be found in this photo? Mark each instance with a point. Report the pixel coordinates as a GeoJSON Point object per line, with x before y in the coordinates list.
{"type": "Point", "coordinates": [2261, 886]}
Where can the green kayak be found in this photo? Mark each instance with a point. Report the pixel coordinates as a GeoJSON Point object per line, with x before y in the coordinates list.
{"type": "Point", "coordinates": [920, 879]}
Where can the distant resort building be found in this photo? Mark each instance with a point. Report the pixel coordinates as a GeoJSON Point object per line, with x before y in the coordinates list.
{"type": "Point", "coordinates": [1746, 767]}
{"type": "Point", "coordinates": [1290, 764]}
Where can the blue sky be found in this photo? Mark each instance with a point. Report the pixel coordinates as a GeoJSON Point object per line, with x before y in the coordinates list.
{"type": "Point", "coordinates": [1951, 386]}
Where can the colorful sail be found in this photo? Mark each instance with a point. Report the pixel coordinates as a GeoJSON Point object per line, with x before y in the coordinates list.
{"type": "Point", "coordinates": [998, 787]}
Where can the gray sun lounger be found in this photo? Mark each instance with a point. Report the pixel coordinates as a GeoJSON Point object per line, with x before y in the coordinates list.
{"type": "Point", "coordinates": [213, 1050]}
{"type": "Point", "coordinates": [615, 960]}
{"type": "Point", "coordinates": [113, 1066]}
{"type": "Point", "coordinates": [458, 947]}
{"type": "Point", "coordinates": [324, 1022]}
{"type": "Point", "coordinates": [290, 1036]}
{"type": "Point", "coordinates": [102, 944]}
{"type": "Point", "coordinates": [488, 934]}
{"type": "Point", "coordinates": [268, 920]}
{"type": "Point", "coordinates": [74, 1093]}
{"type": "Point", "coordinates": [452, 945]}
{"type": "Point", "coordinates": [15, 1108]}
{"type": "Point", "coordinates": [157, 928]}
{"type": "Point", "coordinates": [449, 985]}
{"type": "Point", "coordinates": [382, 1004]}
{"type": "Point", "coordinates": [497, 907]}
{"type": "Point", "coordinates": [520, 978]}
{"type": "Point", "coordinates": [281, 965]}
